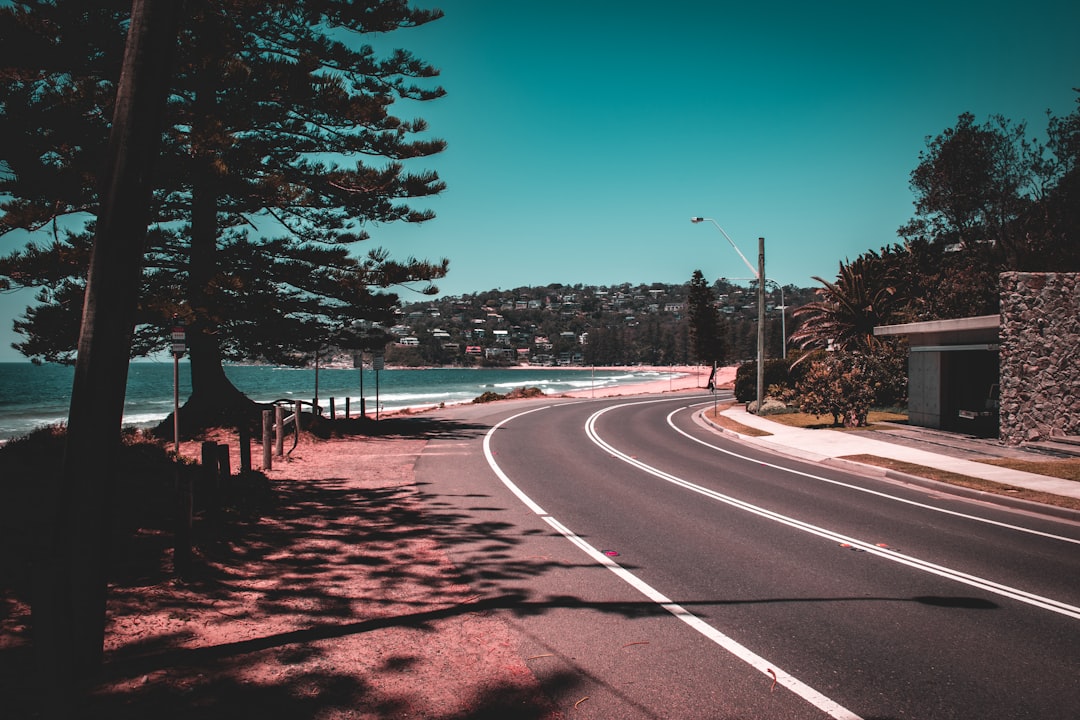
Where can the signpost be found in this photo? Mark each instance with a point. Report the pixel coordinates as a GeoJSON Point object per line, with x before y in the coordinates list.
{"type": "Point", "coordinates": [377, 363]}
{"type": "Point", "coordinates": [179, 347]}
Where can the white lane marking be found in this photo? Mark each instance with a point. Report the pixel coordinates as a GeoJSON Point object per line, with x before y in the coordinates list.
{"type": "Point", "coordinates": [799, 688]}
{"type": "Point", "coordinates": [868, 491]}
{"type": "Point", "coordinates": [529, 503]}
{"type": "Point", "coordinates": [974, 581]}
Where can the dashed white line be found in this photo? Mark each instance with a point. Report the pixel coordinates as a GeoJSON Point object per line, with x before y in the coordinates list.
{"type": "Point", "coordinates": [799, 688]}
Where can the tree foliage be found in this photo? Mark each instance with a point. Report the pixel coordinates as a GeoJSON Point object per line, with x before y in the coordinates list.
{"type": "Point", "coordinates": [837, 385]}
{"type": "Point", "coordinates": [973, 182]}
{"type": "Point", "coordinates": [706, 336]}
{"type": "Point", "coordinates": [280, 153]}
{"type": "Point", "coordinates": [864, 295]}
{"type": "Point", "coordinates": [987, 199]}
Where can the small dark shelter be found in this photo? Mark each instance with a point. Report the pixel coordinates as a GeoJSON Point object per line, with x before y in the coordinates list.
{"type": "Point", "coordinates": [953, 372]}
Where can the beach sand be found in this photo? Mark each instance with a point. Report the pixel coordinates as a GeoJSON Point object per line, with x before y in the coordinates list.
{"type": "Point", "coordinates": [691, 377]}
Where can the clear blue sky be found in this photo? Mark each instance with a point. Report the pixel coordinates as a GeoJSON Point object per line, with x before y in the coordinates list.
{"type": "Point", "coordinates": [584, 135]}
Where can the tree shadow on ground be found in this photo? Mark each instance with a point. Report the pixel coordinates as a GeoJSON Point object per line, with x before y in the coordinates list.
{"type": "Point", "coordinates": [395, 426]}
{"type": "Point", "coordinates": [334, 600]}
{"type": "Point", "coordinates": [326, 597]}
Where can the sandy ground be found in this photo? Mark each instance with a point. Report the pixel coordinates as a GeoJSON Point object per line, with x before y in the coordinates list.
{"type": "Point", "coordinates": [339, 603]}
{"type": "Point", "coordinates": [692, 376]}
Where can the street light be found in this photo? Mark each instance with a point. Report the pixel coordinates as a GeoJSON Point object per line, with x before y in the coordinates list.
{"type": "Point", "coordinates": [696, 220]}
{"type": "Point", "coordinates": [759, 274]}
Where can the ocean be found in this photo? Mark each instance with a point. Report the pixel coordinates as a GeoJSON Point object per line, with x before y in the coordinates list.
{"type": "Point", "coordinates": [35, 395]}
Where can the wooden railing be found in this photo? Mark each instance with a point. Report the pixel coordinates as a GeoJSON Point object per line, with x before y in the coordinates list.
{"type": "Point", "coordinates": [275, 421]}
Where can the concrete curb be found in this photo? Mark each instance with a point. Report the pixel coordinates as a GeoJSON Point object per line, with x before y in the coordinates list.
{"type": "Point", "coordinates": [906, 478]}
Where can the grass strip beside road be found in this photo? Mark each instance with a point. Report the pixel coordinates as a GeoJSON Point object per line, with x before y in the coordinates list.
{"type": "Point", "coordinates": [733, 425]}
{"type": "Point", "coordinates": [817, 422]}
{"type": "Point", "coordinates": [973, 483]}
{"type": "Point", "coordinates": [796, 419]}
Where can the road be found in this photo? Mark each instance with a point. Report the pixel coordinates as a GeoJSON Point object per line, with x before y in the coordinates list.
{"type": "Point", "coordinates": [656, 569]}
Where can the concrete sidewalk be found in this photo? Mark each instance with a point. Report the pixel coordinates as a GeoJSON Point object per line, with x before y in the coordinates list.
{"type": "Point", "coordinates": [831, 446]}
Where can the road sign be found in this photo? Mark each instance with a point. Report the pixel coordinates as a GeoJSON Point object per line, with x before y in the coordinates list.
{"type": "Point", "coordinates": [377, 362]}
{"type": "Point", "coordinates": [179, 343]}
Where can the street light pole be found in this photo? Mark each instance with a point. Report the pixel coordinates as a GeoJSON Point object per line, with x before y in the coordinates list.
{"type": "Point", "coordinates": [760, 324]}
{"type": "Point", "coordinates": [754, 270]}
{"type": "Point", "coordinates": [759, 274]}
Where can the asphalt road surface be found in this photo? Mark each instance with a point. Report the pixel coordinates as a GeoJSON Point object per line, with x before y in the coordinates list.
{"type": "Point", "coordinates": [656, 569]}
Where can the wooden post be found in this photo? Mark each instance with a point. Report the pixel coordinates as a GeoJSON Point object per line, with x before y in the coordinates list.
{"type": "Point", "coordinates": [245, 447]}
{"type": "Point", "coordinates": [297, 409]}
{"type": "Point", "coordinates": [333, 410]}
{"type": "Point", "coordinates": [182, 538]}
{"type": "Point", "coordinates": [279, 430]}
{"type": "Point", "coordinates": [224, 462]}
{"type": "Point", "coordinates": [223, 468]}
{"type": "Point", "coordinates": [347, 398]}
{"type": "Point", "coordinates": [210, 478]}
{"type": "Point", "coordinates": [268, 427]}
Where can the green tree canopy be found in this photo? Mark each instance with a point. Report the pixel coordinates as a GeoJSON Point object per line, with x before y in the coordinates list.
{"type": "Point", "coordinates": [863, 296]}
{"type": "Point", "coordinates": [281, 151]}
{"type": "Point", "coordinates": [706, 338]}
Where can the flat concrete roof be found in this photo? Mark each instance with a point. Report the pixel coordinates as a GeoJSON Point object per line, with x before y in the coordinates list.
{"type": "Point", "coordinates": [961, 331]}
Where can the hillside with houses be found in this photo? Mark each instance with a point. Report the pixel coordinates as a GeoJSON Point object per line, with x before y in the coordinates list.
{"type": "Point", "coordinates": [581, 325]}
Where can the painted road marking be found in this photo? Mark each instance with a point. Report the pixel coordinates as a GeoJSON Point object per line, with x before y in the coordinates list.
{"type": "Point", "coordinates": [1023, 596]}
{"type": "Point", "coordinates": [849, 486]}
{"type": "Point", "coordinates": [801, 689]}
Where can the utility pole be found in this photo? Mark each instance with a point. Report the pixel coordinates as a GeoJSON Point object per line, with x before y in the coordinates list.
{"type": "Point", "coordinates": [760, 323]}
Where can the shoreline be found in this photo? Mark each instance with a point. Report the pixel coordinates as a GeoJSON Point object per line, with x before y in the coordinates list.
{"type": "Point", "coordinates": [670, 378]}
{"type": "Point", "coordinates": [679, 377]}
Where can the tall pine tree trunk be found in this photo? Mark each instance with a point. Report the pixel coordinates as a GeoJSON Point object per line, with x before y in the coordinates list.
{"type": "Point", "coordinates": [214, 400]}
{"type": "Point", "coordinates": [69, 611]}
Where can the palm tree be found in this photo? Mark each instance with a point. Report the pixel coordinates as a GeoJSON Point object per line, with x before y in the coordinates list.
{"type": "Point", "coordinates": [863, 296]}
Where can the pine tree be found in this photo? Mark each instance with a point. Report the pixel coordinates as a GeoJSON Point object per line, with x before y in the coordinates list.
{"type": "Point", "coordinates": [280, 152]}
{"type": "Point", "coordinates": [705, 333]}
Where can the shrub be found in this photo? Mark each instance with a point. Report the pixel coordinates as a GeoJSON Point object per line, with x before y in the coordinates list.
{"type": "Point", "coordinates": [837, 385]}
{"type": "Point", "coordinates": [516, 393]}
{"type": "Point", "coordinates": [776, 373]}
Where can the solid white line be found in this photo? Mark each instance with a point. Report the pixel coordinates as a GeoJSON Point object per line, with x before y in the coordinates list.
{"type": "Point", "coordinates": [974, 581]}
{"type": "Point", "coordinates": [849, 486]}
{"type": "Point", "coordinates": [799, 688]}
{"type": "Point", "coordinates": [529, 503]}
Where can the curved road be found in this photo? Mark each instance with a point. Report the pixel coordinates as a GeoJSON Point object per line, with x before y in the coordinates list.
{"type": "Point", "coordinates": [657, 569]}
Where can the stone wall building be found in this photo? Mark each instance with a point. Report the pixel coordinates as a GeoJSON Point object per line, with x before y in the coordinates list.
{"type": "Point", "coordinates": [1014, 376]}
{"type": "Point", "coordinates": [1039, 356]}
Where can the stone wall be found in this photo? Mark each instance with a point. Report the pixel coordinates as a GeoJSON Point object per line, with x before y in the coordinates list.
{"type": "Point", "coordinates": [1040, 356]}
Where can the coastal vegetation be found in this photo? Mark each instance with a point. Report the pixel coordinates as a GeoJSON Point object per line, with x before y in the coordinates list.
{"type": "Point", "coordinates": [987, 200]}
{"type": "Point", "coordinates": [279, 149]}
{"type": "Point", "coordinates": [234, 152]}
